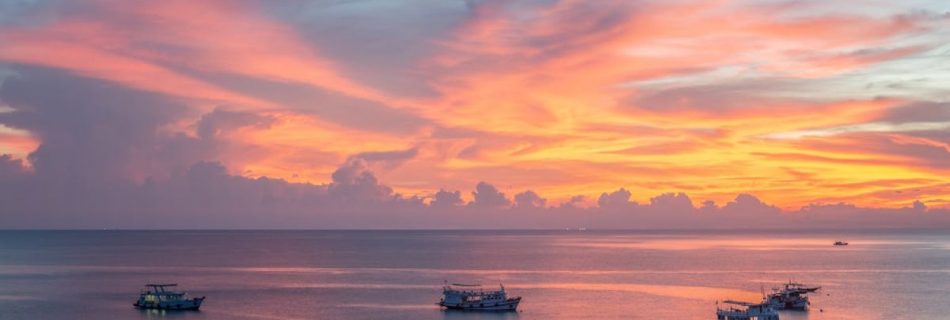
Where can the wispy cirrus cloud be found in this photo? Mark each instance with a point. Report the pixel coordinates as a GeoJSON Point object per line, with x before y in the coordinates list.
{"type": "Point", "coordinates": [555, 102]}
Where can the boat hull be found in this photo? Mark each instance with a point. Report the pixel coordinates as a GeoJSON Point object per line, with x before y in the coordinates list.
{"type": "Point", "coordinates": [734, 311]}
{"type": "Point", "coordinates": [508, 305]}
{"type": "Point", "coordinates": [747, 317]}
{"type": "Point", "coordinates": [799, 305]}
{"type": "Point", "coordinates": [191, 304]}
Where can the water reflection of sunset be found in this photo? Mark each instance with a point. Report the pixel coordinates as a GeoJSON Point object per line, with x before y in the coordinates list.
{"type": "Point", "coordinates": [750, 243]}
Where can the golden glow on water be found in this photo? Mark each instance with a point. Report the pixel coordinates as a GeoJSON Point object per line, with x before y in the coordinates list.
{"type": "Point", "coordinates": [699, 244]}
{"type": "Point", "coordinates": [365, 274]}
{"type": "Point", "coordinates": [687, 292]}
{"type": "Point", "coordinates": [739, 243]}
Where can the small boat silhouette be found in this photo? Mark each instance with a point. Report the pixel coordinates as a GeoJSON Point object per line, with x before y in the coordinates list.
{"type": "Point", "coordinates": [472, 297]}
{"type": "Point", "coordinates": [793, 296]}
{"type": "Point", "coordinates": [155, 296]}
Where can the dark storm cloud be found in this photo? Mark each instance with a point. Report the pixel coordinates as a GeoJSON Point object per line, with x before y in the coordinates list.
{"type": "Point", "coordinates": [93, 134]}
{"type": "Point", "coordinates": [10, 167]}
{"type": "Point", "coordinates": [99, 139]}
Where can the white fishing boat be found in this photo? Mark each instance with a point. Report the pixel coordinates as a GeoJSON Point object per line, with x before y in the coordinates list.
{"type": "Point", "coordinates": [792, 296]}
{"type": "Point", "coordinates": [738, 310]}
{"type": "Point", "coordinates": [156, 296]}
{"type": "Point", "coordinates": [473, 297]}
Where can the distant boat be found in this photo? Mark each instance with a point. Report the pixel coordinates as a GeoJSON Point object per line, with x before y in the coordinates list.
{"type": "Point", "coordinates": [738, 310]}
{"type": "Point", "coordinates": [841, 243]}
{"type": "Point", "coordinates": [156, 296]}
{"type": "Point", "coordinates": [472, 297]}
{"type": "Point", "coordinates": [793, 296]}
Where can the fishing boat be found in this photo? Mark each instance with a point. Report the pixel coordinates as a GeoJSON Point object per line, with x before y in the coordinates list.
{"type": "Point", "coordinates": [157, 296]}
{"type": "Point", "coordinates": [473, 297]}
{"type": "Point", "coordinates": [738, 310]}
{"type": "Point", "coordinates": [792, 296]}
{"type": "Point", "coordinates": [841, 243]}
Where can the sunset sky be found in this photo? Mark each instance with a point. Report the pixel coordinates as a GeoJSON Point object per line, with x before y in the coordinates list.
{"type": "Point", "coordinates": [798, 103]}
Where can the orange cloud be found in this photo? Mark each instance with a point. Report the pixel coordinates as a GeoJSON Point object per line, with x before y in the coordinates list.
{"type": "Point", "coordinates": [569, 98]}
{"type": "Point", "coordinates": [64, 46]}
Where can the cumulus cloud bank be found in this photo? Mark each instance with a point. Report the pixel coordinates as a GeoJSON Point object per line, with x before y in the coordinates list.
{"type": "Point", "coordinates": [106, 161]}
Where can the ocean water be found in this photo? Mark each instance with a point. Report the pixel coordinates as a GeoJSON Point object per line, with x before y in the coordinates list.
{"type": "Point", "coordinates": [398, 274]}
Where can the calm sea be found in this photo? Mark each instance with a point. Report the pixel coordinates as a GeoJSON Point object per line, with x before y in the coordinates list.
{"type": "Point", "coordinates": [398, 274]}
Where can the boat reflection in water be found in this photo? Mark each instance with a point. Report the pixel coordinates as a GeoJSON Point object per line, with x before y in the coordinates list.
{"type": "Point", "coordinates": [473, 298]}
